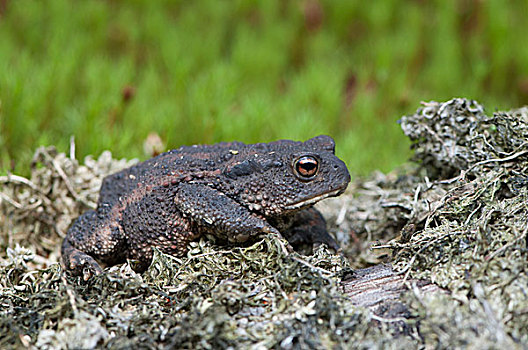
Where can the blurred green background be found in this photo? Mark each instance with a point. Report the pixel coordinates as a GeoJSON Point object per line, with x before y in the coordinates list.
{"type": "Point", "coordinates": [112, 72]}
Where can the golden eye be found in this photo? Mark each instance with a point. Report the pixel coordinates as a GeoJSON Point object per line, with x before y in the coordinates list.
{"type": "Point", "coordinates": [306, 167]}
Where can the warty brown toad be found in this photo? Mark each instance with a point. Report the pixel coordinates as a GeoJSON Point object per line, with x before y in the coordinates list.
{"type": "Point", "coordinates": [232, 191]}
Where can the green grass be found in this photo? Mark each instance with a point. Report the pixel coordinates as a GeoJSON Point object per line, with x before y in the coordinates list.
{"type": "Point", "coordinates": [208, 71]}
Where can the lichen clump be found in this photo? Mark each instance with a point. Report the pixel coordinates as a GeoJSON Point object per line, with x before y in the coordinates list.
{"type": "Point", "coordinates": [473, 240]}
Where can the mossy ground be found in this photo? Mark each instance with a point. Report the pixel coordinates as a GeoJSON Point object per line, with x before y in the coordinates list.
{"type": "Point", "coordinates": [464, 226]}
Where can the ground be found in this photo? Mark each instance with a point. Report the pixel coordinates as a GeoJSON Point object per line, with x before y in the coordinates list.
{"type": "Point", "coordinates": [455, 216]}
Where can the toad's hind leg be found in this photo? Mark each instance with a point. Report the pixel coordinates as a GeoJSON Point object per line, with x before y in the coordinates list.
{"type": "Point", "coordinates": [155, 221]}
{"type": "Point", "coordinates": [92, 236]}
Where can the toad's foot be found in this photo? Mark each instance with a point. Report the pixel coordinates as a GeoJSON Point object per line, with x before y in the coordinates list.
{"type": "Point", "coordinates": [284, 245]}
{"type": "Point", "coordinates": [79, 263]}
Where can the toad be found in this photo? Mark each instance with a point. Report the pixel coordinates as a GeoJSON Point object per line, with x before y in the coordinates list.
{"type": "Point", "coordinates": [232, 191]}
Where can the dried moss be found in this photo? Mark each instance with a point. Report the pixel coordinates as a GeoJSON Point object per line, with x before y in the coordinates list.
{"type": "Point", "coordinates": [458, 216]}
{"type": "Point", "coordinates": [473, 240]}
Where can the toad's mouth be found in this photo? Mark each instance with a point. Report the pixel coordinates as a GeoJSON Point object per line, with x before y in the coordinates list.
{"type": "Point", "coordinates": [314, 199]}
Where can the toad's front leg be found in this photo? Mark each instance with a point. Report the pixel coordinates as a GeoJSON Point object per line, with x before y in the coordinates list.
{"type": "Point", "coordinates": [305, 229]}
{"type": "Point", "coordinates": [220, 215]}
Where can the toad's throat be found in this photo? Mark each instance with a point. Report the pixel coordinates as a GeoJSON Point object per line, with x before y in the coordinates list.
{"type": "Point", "coordinates": [313, 200]}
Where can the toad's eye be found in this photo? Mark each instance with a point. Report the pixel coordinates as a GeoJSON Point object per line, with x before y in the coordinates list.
{"type": "Point", "coordinates": [306, 167]}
